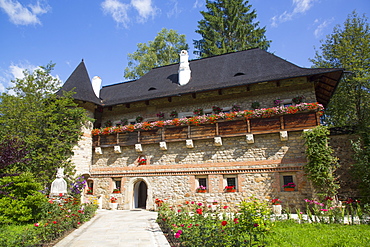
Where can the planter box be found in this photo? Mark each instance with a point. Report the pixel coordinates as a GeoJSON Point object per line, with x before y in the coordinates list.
{"type": "Point", "coordinates": [228, 191]}
{"type": "Point", "coordinates": [289, 189]}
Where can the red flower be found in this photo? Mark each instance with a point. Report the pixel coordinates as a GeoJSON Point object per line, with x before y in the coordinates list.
{"type": "Point", "coordinates": [54, 222]}
{"type": "Point", "coordinates": [255, 225]}
{"type": "Point", "coordinates": [236, 221]}
{"type": "Point", "coordinates": [199, 211]}
{"type": "Point", "coordinates": [179, 210]}
{"type": "Point", "coordinates": [224, 223]}
{"type": "Point", "coordinates": [225, 207]}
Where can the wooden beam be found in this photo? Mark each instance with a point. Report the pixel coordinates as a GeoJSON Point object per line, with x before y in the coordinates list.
{"type": "Point", "coordinates": [282, 123]}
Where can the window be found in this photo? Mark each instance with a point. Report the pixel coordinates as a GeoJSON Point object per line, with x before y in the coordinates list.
{"type": "Point", "coordinates": [230, 183]}
{"type": "Point", "coordinates": [208, 112]}
{"type": "Point", "coordinates": [201, 183]}
{"type": "Point", "coordinates": [117, 185]}
{"type": "Point", "coordinates": [226, 109]}
{"type": "Point", "coordinates": [186, 114]}
{"type": "Point", "coordinates": [90, 187]}
{"type": "Point", "coordinates": [288, 178]}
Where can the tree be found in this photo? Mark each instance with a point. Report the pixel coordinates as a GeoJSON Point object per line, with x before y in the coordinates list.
{"type": "Point", "coordinates": [228, 27]}
{"type": "Point", "coordinates": [48, 124]}
{"type": "Point", "coordinates": [163, 50]}
{"type": "Point", "coordinates": [349, 48]}
{"type": "Point", "coordinates": [12, 151]}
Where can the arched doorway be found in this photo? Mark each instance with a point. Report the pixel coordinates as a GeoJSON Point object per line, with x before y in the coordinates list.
{"type": "Point", "coordinates": [140, 194]}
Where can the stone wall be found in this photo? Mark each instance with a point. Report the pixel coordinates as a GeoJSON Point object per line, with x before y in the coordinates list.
{"type": "Point", "coordinates": [172, 174]}
{"type": "Point", "coordinates": [82, 151]}
{"type": "Point", "coordinates": [341, 144]}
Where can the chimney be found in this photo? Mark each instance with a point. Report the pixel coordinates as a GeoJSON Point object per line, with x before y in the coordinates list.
{"type": "Point", "coordinates": [96, 84]}
{"type": "Point", "coordinates": [184, 70]}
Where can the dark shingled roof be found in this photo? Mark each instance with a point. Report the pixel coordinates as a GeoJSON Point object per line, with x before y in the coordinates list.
{"type": "Point", "coordinates": [79, 81]}
{"type": "Point", "coordinates": [223, 71]}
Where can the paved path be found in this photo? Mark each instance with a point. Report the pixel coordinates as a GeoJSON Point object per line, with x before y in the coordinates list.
{"type": "Point", "coordinates": [129, 228]}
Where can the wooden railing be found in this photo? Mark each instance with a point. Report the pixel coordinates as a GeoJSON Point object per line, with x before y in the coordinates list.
{"type": "Point", "coordinates": [221, 128]}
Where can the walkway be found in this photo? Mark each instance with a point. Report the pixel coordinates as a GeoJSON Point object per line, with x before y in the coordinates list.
{"type": "Point", "coordinates": [129, 228]}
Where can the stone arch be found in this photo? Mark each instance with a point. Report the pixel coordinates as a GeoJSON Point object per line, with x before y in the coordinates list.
{"type": "Point", "coordinates": [140, 194]}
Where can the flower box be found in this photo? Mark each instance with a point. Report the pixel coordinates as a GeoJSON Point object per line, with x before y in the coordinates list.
{"type": "Point", "coordinates": [289, 189]}
{"type": "Point", "coordinates": [231, 190]}
{"type": "Point", "coordinates": [201, 191]}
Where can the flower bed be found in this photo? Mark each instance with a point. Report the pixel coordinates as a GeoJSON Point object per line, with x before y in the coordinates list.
{"type": "Point", "coordinates": [196, 224]}
{"type": "Point", "coordinates": [197, 120]}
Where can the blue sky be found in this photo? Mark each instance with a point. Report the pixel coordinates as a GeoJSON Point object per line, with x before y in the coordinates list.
{"type": "Point", "coordinates": [103, 32]}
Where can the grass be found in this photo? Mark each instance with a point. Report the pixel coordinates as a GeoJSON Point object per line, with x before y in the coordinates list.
{"type": "Point", "coordinates": [290, 233]}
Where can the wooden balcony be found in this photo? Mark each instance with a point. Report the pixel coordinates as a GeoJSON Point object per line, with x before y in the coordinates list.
{"type": "Point", "coordinates": [222, 128]}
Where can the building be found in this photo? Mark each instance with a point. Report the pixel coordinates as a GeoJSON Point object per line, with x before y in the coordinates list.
{"type": "Point", "coordinates": [148, 142]}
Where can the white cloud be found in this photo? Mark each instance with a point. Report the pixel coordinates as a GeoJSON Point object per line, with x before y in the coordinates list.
{"type": "Point", "coordinates": [145, 9]}
{"type": "Point", "coordinates": [174, 11]}
{"type": "Point", "coordinates": [197, 4]}
{"type": "Point", "coordinates": [118, 11]}
{"type": "Point", "coordinates": [14, 71]}
{"type": "Point", "coordinates": [320, 28]}
{"type": "Point", "coordinates": [300, 7]}
{"type": "Point", "coordinates": [21, 15]}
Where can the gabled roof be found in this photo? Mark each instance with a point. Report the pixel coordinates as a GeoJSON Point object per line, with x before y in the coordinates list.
{"type": "Point", "coordinates": [79, 82]}
{"type": "Point", "coordinates": [223, 71]}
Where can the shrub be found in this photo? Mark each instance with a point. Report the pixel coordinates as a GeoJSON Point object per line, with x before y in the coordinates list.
{"type": "Point", "coordinates": [24, 202]}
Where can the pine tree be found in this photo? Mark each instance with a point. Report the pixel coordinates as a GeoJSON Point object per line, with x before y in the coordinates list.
{"type": "Point", "coordinates": [228, 26]}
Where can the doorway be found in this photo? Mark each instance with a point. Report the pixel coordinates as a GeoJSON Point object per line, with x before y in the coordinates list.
{"type": "Point", "coordinates": [140, 194]}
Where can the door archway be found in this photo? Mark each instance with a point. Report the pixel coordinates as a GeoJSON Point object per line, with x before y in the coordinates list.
{"type": "Point", "coordinates": [140, 194]}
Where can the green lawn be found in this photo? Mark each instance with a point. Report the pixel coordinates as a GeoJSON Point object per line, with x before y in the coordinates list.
{"type": "Point", "coordinates": [288, 233]}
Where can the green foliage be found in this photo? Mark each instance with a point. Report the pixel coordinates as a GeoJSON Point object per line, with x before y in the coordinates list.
{"type": "Point", "coordinates": [48, 124]}
{"type": "Point", "coordinates": [321, 164]}
{"type": "Point", "coordinates": [59, 216]}
{"type": "Point", "coordinates": [361, 167]}
{"type": "Point", "coordinates": [24, 202]}
{"type": "Point", "coordinates": [291, 233]}
{"type": "Point", "coordinates": [228, 26]}
{"type": "Point", "coordinates": [163, 50]}
{"type": "Point", "coordinates": [348, 47]}
{"type": "Point", "coordinates": [195, 224]}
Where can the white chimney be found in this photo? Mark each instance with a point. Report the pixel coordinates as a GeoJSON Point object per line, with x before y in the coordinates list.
{"type": "Point", "coordinates": [96, 84]}
{"type": "Point", "coordinates": [184, 70]}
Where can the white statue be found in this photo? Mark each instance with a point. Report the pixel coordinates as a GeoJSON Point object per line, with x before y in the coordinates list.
{"type": "Point", "coordinates": [59, 185]}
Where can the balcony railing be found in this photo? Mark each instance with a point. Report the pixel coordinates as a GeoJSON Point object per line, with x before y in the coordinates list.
{"type": "Point", "coordinates": [237, 126]}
